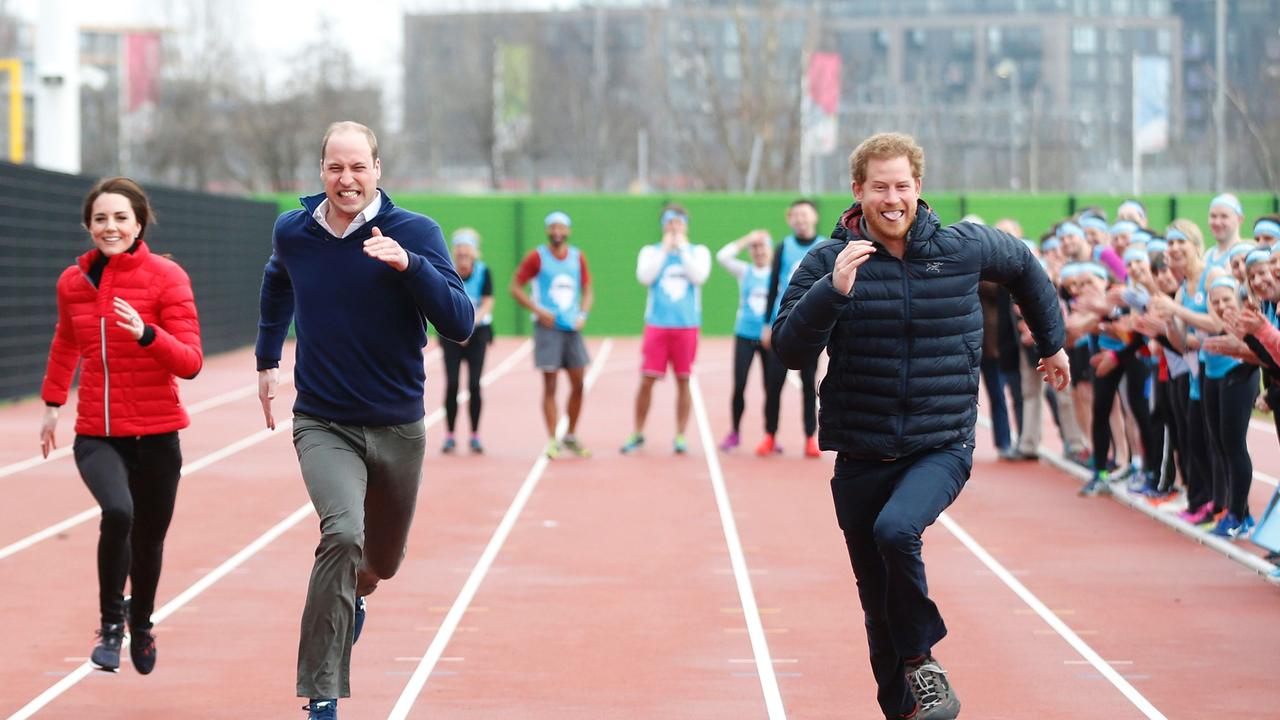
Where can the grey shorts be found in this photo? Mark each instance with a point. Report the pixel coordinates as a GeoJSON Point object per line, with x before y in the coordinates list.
{"type": "Point", "coordinates": [556, 349]}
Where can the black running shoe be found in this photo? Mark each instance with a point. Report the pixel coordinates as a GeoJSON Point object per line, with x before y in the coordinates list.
{"type": "Point", "coordinates": [929, 685]}
{"type": "Point", "coordinates": [106, 654]}
{"type": "Point", "coordinates": [142, 651]}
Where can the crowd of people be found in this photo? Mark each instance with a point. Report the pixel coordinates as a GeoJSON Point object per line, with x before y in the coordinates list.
{"type": "Point", "coordinates": [1177, 329]}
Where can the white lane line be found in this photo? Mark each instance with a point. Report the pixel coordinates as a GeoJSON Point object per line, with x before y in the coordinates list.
{"type": "Point", "coordinates": [746, 595]}
{"type": "Point", "coordinates": [436, 649]}
{"type": "Point", "coordinates": [236, 560]}
{"type": "Point", "coordinates": [193, 409]}
{"type": "Point", "coordinates": [1080, 646]}
{"type": "Point", "coordinates": [85, 669]}
{"type": "Point", "coordinates": [215, 456]}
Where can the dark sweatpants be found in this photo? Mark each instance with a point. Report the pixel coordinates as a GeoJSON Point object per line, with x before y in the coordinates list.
{"type": "Point", "coordinates": [774, 381]}
{"type": "Point", "coordinates": [883, 508]}
{"type": "Point", "coordinates": [772, 372]}
{"type": "Point", "coordinates": [135, 481]}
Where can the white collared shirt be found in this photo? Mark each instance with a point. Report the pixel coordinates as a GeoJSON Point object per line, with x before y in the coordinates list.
{"type": "Point", "coordinates": [364, 216]}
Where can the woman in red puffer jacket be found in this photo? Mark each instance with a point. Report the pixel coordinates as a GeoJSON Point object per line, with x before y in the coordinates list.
{"type": "Point", "coordinates": [128, 319]}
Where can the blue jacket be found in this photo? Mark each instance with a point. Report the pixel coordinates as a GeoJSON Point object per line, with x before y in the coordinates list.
{"type": "Point", "coordinates": [905, 347]}
{"type": "Point", "coordinates": [360, 324]}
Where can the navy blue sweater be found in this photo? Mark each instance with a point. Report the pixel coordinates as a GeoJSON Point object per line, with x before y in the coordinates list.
{"type": "Point", "coordinates": [360, 324]}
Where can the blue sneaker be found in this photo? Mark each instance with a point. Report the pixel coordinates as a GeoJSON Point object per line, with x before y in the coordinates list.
{"type": "Point", "coordinates": [1098, 485]}
{"type": "Point", "coordinates": [634, 442]}
{"type": "Point", "coordinates": [358, 623]}
{"type": "Point", "coordinates": [1232, 527]}
{"type": "Point", "coordinates": [322, 709]}
{"type": "Point", "coordinates": [449, 444]}
{"type": "Point", "coordinates": [477, 447]}
{"type": "Point", "coordinates": [681, 446]}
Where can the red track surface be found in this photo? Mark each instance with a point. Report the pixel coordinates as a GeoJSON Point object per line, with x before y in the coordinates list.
{"type": "Point", "coordinates": [613, 595]}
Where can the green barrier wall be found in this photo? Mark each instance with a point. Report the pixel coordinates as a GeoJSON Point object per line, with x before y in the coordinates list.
{"type": "Point", "coordinates": [611, 229]}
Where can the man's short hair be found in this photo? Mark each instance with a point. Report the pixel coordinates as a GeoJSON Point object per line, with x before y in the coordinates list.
{"type": "Point", "coordinates": [343, 126]}
{"type": "Point", "coordinates": [886, 146]}
{"type": "Point", "coordinates": [803, 201]}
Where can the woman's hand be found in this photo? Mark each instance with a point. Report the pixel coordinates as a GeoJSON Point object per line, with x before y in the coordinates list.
{"type": "Point", "coordinates": [129, 320]}
{"type": "Point", "coordinates": [48, 431]}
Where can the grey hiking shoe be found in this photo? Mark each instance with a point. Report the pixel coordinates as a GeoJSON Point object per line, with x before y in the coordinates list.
{"type": "Point", "coordinates": [929, 685]}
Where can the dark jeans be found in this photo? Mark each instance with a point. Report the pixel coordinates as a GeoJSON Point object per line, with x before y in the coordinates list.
{"type": "Point", "coordinates": [745, 351]}
{"type": "Point", "coordinates": [995, 380]}
{"type": "Point", "coordinates": [883, 509]}
{"type": "Point", "coordinates": [1228, 405]}
{"type": "Point", "coordinates": [808, 385]}
{"type": "Point", "coordinates": [135, 481]}
{"type": "Point", "coordinates": [454, 355]}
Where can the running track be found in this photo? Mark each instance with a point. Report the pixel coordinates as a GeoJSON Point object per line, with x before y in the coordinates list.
{"type": "Point", "coordinates": [622, 587]}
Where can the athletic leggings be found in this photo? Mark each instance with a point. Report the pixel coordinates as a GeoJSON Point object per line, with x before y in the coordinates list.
{"type": "Point", "coordinates": [745, 351]}
{"type": "Point", "coordinates": [135, 481]}
{"type": "Point", "coordinates": [1228, 403]}
{"type": "Point", "coordinates": [1171, 415]}
{"type": "Point", "coordinates": [808, 382]}
{"type": "Point", "coordinates": [1134, 367]}
{"type": "Point", "coordinates": [473, 353]}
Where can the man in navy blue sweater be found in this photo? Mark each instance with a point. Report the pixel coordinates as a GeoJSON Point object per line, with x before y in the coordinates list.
{"type": "Point", "coordinates": [361, 278]}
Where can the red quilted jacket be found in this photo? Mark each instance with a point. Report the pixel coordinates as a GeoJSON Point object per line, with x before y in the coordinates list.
{"type": "Point", "coordinates": [125, 388]}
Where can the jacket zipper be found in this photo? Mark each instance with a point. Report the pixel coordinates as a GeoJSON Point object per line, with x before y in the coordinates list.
{"type": "Point", "coordinates": [906, 353]}
{"type": "Point", "coordinates": [106, 378]}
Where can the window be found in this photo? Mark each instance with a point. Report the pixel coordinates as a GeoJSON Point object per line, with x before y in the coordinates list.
{"type": "Point", "coordinates": [1084, 40]}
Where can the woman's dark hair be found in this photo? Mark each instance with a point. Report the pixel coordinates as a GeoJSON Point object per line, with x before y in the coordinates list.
{"type": "Point", "coordinates": [131, 191]}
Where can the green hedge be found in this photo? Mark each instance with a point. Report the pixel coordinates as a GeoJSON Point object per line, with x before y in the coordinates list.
{"type": "Point", "coordinates": [611, 229]}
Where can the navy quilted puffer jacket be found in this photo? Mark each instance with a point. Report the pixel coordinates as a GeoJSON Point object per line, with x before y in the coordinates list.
{"type": "Point", "coordinates": [904, 349]}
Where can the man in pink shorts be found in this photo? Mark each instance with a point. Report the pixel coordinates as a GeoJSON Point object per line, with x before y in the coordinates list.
{"type": "Point", "coordinates": [674, 272]}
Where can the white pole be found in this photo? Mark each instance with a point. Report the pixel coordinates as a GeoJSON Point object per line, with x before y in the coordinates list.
{"type": "Point", "coordinates": [57, 92]}
{"type": "Point", "coordinates": [753, 169]}
{"type": "Point", "coordinates": [1220, 99]}
{"type": "Point", "coordinates": [1136, 156]}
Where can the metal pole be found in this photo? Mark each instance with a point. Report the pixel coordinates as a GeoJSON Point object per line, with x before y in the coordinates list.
{"type": "Point", "coordinates": [1220, 100]}
{"type": "Point", "coordinates": [1136, 153]}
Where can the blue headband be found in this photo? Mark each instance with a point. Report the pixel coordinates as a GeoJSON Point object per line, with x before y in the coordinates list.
{"type": "Point", "coordinates": [670, 215]}
{"type": "Point", "coordinates": [1140, 236]}
{"type": "Point", "coordinates": [466, 237]}
{"type": "Point", "coordinates": [1132, 205]}
{"type": "Point", "coordinates": [1071, 270]}
{"type": "Point", "coordinates": [1052, 243]}
{"type": "Point", "coordinates": [1174, 234]}
{"type": "Point", "coordinates": [1157, 246]}
{"type": "Point", "coordinates": [1257, 256]}
{"type": "Point", "coordinates": [1124, 227]}
{"type": "Point", "coordinates": [1030, 245]}
{"type": "Point", "coordinates": [1094, 223]}
{"type": "Point", "coordinates": [557, 218]}
{"type": "Point", "coordinates": [1229, 202]}
{"type": "Point", "coordinates": [1243, 248]}
{"type": "Point", "coordinates": [1225, 281]}
{"type": "Point", "coordinates": [1135, 254]}
{"type": "Point", "coordinates": [1266, 227]}
{"type": "Point", "coordinates": [1069, 228]}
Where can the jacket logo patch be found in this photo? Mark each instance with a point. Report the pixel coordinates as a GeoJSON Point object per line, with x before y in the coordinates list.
{"type": "Point", "coordinates": [933, 267]}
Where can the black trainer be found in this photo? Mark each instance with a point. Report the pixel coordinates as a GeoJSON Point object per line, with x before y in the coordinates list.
{"type": "Point", "coordinates": [929, 685]}
{"type": "Point", "coordinates": [106, 654]}
{"type": "Point", "coordinates": [142, 650]}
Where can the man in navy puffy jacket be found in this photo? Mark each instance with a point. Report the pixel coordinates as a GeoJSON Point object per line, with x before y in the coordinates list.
{"type": "Point", "coordinates": [893, 298]}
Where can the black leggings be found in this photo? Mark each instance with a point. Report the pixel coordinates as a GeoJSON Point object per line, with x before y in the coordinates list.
{"type": "Point", "coordinates": [745, 351]}
{"type": "Point", "coordinates": [1162, 422]}
{"type": "Point", "coordinates": [1175, 392]}
{"type": "Point", "coordinates": [473, 352]}
{"type": "Point", "coordinates": [135, 481]}
{"type": "Point", "coordinates": [808, 382]}
{"type": "Point", "coordinates": [1135, 369]}
{"type": "Point", "coordinates": [1228, 403]}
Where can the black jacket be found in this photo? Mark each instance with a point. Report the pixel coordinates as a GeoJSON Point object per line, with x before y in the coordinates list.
{"type": "Point", "coordinates": [905, 347]}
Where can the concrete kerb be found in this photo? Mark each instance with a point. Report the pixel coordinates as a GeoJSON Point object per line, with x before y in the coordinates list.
{"type": "Point", "coordinates": [1222, 546]}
